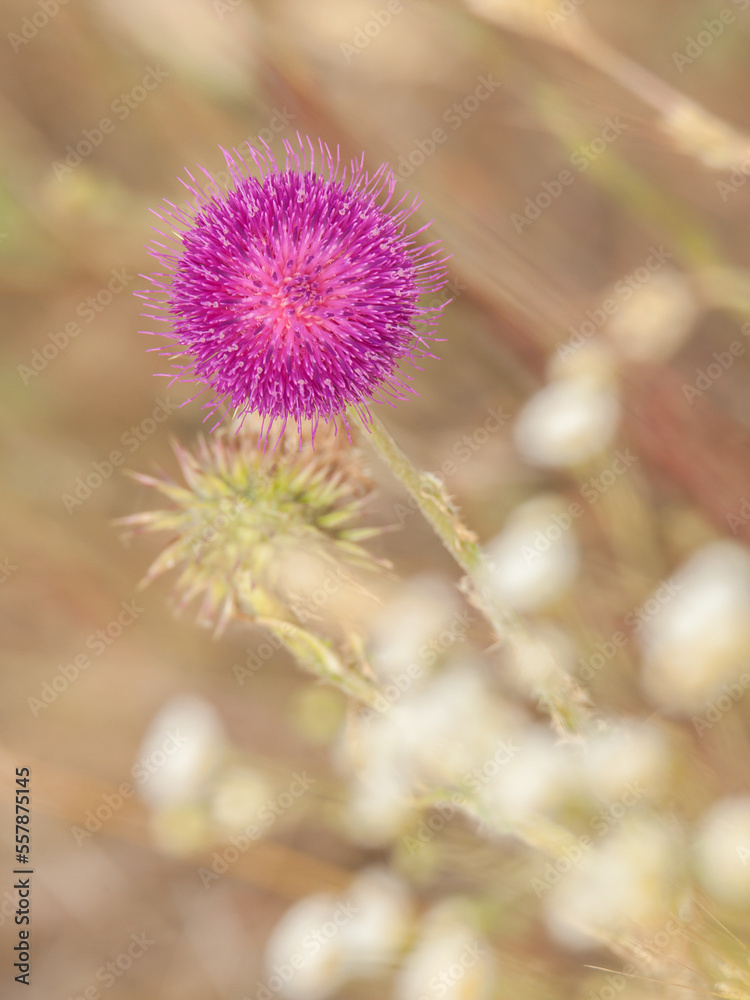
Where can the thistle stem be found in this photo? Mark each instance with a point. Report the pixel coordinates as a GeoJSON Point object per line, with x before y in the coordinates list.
{"type": "Point", "coordinates": [439, 510]}
{"type": "Point", "coordinates": [319, 657]}
{"type": "Point", "coordinates": [567, 703]}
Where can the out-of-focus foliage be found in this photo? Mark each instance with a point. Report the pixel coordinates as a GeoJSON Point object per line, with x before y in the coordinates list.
{"type": "Point", "coordinates": [586, 163]}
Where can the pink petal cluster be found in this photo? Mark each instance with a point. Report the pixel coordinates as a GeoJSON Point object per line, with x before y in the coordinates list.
{"type": "Point", "coordinates": [297, 293]}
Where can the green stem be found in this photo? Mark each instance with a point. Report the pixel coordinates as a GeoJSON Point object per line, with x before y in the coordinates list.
{"type": "Point", "coordinates": [438, 508]}
{"type": "Point", "coordinates": [566, 704]}
{"type": "Point", "coordinates": [318, 656]}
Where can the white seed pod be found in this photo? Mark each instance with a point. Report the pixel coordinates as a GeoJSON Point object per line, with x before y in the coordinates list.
{"type": "Point", "coordinates": [180, 752]}
{"type": "Point", "coordinates": [535, 558]}
{"type": "Point", "coordinates": [656, 319]}
{"type": "Point", "coordinates": [695, 629]}
{"type": "Point", "coordinates": [612, 884]}
{"type": "Point", "coordinates": [566, 423]}
{"type": "Point", "coordinates": [451, 960]}
{"type": "Point", "coordinates": [305, 955]}
{"type": "Point", "coordinates": [722, 850]}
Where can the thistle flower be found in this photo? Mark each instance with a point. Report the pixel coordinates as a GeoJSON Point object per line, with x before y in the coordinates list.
{"type": "Point", "coordinates": [296, 294]}
{"type": "Point", "coordinates": [246, 517]}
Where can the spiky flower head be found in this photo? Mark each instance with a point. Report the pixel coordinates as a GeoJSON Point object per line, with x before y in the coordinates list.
{"type": "Point", "coordinates": [245, 514]}
{"type": "Point", "coordinates": [296, 294]}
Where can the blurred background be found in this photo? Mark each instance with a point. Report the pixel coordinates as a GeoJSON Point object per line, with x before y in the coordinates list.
{"type": "Point", "coordinates": [585, 163]}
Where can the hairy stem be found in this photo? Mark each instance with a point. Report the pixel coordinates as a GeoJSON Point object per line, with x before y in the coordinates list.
{"type": "Point", "coordinates": [566, 703]}
{"type": "Point", "coordinates": [319, 657]}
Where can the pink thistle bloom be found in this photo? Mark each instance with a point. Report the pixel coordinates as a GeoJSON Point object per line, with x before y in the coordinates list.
{"type": "Point", "coordinates": [296, 294]}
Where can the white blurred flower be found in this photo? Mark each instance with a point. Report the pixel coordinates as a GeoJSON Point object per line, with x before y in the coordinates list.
{"type": "Point", "coordinates": [434, 735]}
{"type": "Point", "coordinates": [404, 629]}
{"type": "Point", "coordinates": [530, 781]}
{"type": "Point", "coordinates": [376, 934]}
{"type": "Point", "coordinates": [322, 941]}
{"type": "Point", "coordinates": [453, 724]}
{"type": "Point", "coordinates": [625, 757]}
{"type": "Point", "coordinates": [180, 751]}
{"type": "Point", "coordinates": [535, 558]}
{"type": "Point", "coordinates": [237, 797]}
{"type": "Point", "coordinates": [450, 960]}
{"type": "Point", "coordinates": [722, 850]}
{"type": "Point", "coordinates": [619, 882]}
{"type": "Point", "coordinates": [380, 801]}
{"type": "Point", "coordinates": [654, 323]}
{"type": "Point", "coordinates": [698, 635]}
{"type": "Point", "coordinates": [305, 955]}
{"type": "Point", "coordinates": [567, 422]}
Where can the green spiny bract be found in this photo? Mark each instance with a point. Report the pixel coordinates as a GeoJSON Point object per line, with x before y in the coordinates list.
{"type": "Point", "coordinates": [245, 515]}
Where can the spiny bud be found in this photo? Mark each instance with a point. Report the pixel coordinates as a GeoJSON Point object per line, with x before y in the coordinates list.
{"type": "Point", "coordinates": [245, 515]}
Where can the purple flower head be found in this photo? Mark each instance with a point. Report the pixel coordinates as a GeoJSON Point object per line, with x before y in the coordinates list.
{"type": "Point", "coordinates": [296, 294]}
